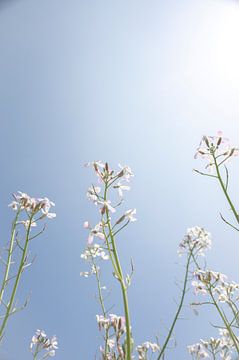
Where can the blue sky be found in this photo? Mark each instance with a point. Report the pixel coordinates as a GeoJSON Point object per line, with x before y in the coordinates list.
{"type": "Point", "coordinates": [135, 82]}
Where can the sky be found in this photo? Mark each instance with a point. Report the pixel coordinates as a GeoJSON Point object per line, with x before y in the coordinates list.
{"type": "Point", "coordinates": [131, 82]}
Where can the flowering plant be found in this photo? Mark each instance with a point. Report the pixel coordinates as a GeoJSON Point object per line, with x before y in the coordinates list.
{"type": "Point", "coordinates": [210, 287]}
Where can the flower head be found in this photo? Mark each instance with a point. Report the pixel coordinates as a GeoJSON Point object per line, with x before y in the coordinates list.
{"type": "Point", "coordinates": [216, 147]}
{"type": "Point", "coordinates": [41, 342]}
{"type": "Point", "coordinates": [196, 239]}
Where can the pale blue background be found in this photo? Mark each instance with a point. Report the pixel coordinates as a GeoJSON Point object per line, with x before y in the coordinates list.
{"type": "Point", "coordinates": [135, 82]}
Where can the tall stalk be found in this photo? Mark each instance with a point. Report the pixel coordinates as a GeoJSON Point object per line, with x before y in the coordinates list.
{"type": "Point", "coordinates": [17, 279]}
{"type": "Point", "coordinates": [119, 273]}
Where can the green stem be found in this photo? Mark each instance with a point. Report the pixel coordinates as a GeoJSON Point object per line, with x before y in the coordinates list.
{"type": "Point", "coordinates": [18, 276]}
{"type": "Point", "coordinates": [122, 282]}
{"type": "Point", "coordinates": [224, 319]}
{"type": "Point", "coordinates": [179, 307]}
{"type": "Point", "coordinates": [225, 190]}
{"type": "Point", "coordinates": [101, 300]}
{"type": "Point", "coordinates": [9, 258]}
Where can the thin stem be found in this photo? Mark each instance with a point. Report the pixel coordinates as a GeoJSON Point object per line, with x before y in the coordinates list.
{"type": "Point", "coordinates": [224, 189]}
{"type": "Point", "coordinates": [9, 258]}
{"type": "Point", "coordinates": [179, 307]}
{"type": "Point", "coordinates": [117, 264]}
{"type": "Point", "coordinates": [20, 269]}
{"type": "Point", "coordinates": [224, 319]}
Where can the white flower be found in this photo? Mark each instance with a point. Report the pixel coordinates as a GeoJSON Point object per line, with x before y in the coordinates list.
{"type": "Point", "coordinates": [85, 274]}
{"type": "Point", "coordinates": [196, 239]}
{"type": "Point", "coordinates": [94, 232]}
{"type": "Point", "coordinates": [41, 342]}
{"type": "Point", "coordinates": [93, 193]}
{"type": "Point", "coordinates": [198, 350]}
{"type": "Point", "coordinates": [129, 214]}
{"type": "Point", "coordinates": [14, 205]}
{"type": "Point", "coordinates": [218, 146]}
{"type": "Point", "coordinates": [33, 205]}
{"type": "Point", "coordinates": [94, 251]}
{"type": "Point", "coordinates": [106, 205]}
{"type": "Point", "coordinates": [45, 205]}
{"type": "Point", "coordinates": [125, 172]}
{"type": "Point", "coordinates": [120, 187]}
{"type": "Point", "coordinates": [199, 288]}
{"type": "Point", "coordinates": [97, 163]}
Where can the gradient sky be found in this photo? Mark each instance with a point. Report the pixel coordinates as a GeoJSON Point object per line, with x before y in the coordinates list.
{"type": "Point", "coordinates": [131, 81]}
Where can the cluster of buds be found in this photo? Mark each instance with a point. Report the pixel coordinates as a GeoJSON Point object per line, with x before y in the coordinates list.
{"type": "Point", "coordinates": [105, 174]}
{"type": "Point", "coordinates": [40, 342]}
{"type": "Point", "coordinates": [213, 147]}
{"type": "Point", "coordinates": [197, 240]}
{"type": "Point", "coordinates": [223, 347]}
{"type": "Point", "coordinates": [114, 342]}
{"type": "Point", "coordinates": [32, 205]}
{"type": "Point", "coordinates": [144, 348]}
{"type": "Point", "coordinates": [113, 321]}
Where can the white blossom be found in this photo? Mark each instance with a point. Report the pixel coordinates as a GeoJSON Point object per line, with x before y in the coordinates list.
{"type": "Point", "coordinates": [32, 205]}
{"type": "Point", "coordinates": [41, 342]}
{"type": "Point", "coordinates": [129, 214]}
{"type": "Point", "coordinates": [196, 239]}
{"type": "Point", "coordinates": [125, 172]}
{"type": "Point", "coordinates": [121, 187]}
{"type": "Point", "coordinates": [218, 146]}
{"type": "Point", "coordinates": [94, 251]}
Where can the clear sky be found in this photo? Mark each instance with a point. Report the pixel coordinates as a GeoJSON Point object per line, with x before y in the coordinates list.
{"type": "Point", "coordinates": [131, 81]}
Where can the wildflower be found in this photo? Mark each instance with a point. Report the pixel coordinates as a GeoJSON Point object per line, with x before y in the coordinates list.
{"type": "Point", "coordinates": [196, 239]}
{"type": "Point", "coordinates": [120, 187]}
{"type": "Point", "coordinates": [214, 147]}
{"type": "Point", "coordinates": [129, 214]}
{"type": "Point", "coordinates": [94, 232]}
{"type": "Point", "coordinates": [85, 274]}
{"type": "Point", "coordinates": [198, 350]}
{"type": "Point", "coordinates": [145, 347]}
{"type": "Point", "coordinates": [199, 288]}
{"type": "Point", "coordinates": [45, 204]}
{"type": "Point", "coordinates": [93, 194]}
{"type": "Point", "coordinates": [125, 172]}
{"type": "Point", "coordinates": [106, 205]}
{"type": "Point", "coordinates": [94, 251]}
{"type": "Point", "coordinates": [102, 322]}
{"type": "Point", "coordinates": [40, 342]}
{"type": "Point", "coordinates": [32, 205]}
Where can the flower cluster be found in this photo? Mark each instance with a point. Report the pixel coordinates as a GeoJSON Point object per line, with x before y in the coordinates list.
{"type": "Point", "coordinates": [196, 239]}
{"type": "Point", "coordinates": [94, 251]}
{"type": "Point", "coordinates": [116, 180]}
{"type": "Point", "coordinates": [114, 321]}
{"type": "Point", "coordinates": [105, 174]}
{"type": "Point", "coordinates": [216, 283]}
{"type": "Point", "coordinates": [40, 342]}
{"type": "Point", "coordinates": [145, 347]}
{"type": "Point", "coordinates": [114, 328]}
{"type": "Point", "coordinates": [216, 147]}
{"type": "Point", "coordinates": [222, 346]}
{"type": "Point", "coordinates": [32, 205]}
